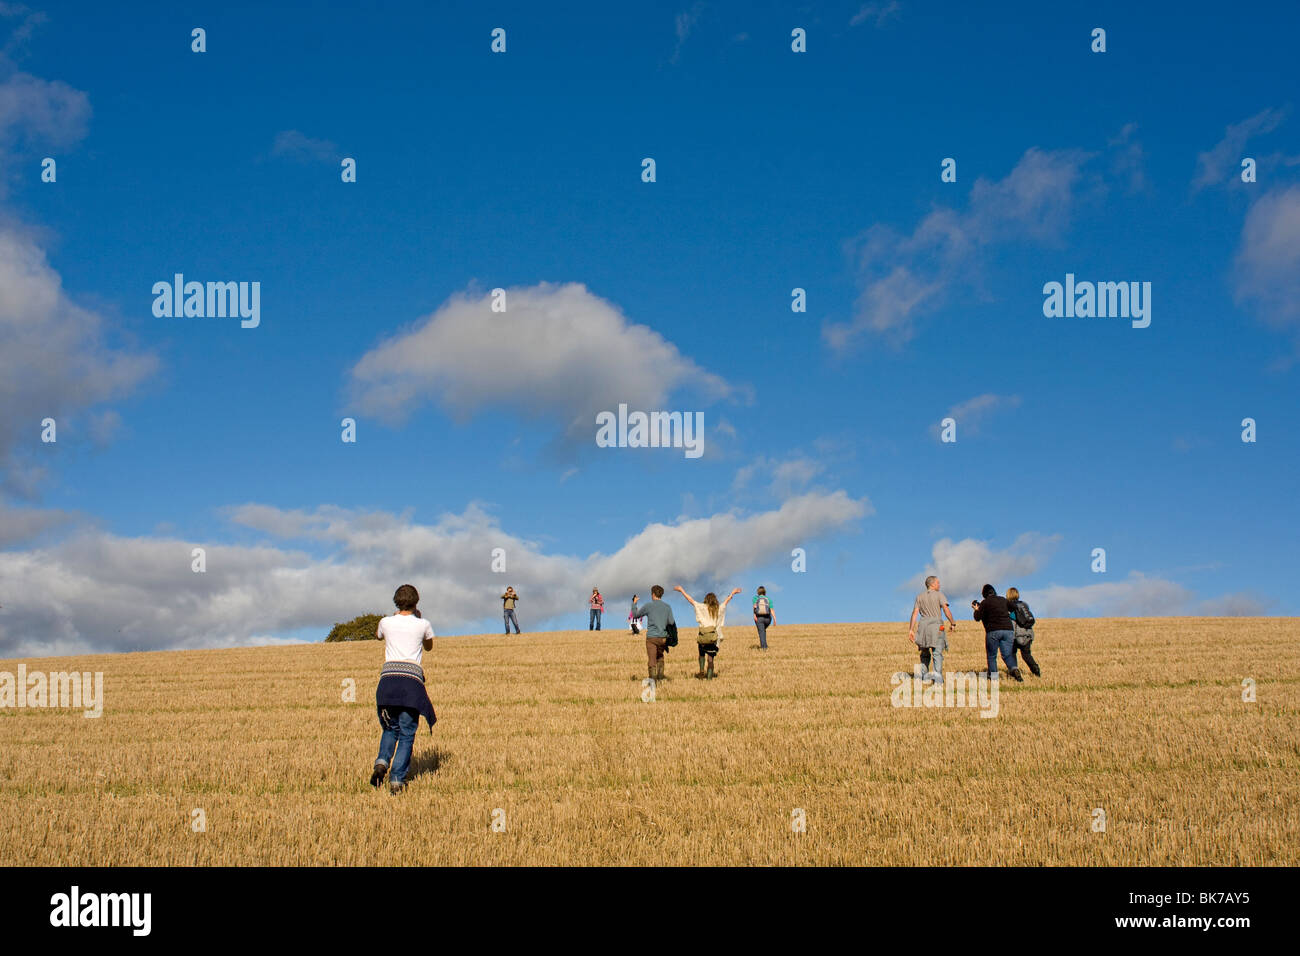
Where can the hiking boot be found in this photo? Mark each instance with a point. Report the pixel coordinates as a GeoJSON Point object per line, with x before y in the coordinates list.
{"type": "Point", "coordinates": [1015, 672]}
{"type": "Point", "coordinates": [396, 788]}
{"type": "Point", "coordinates": [377, 774]}
{"type": "Point", "coordinates": [699, 675]}
{"type": "Point", "coordinates": [1035, 670]}
{"type": "Point", "coordinates": [710, 675]}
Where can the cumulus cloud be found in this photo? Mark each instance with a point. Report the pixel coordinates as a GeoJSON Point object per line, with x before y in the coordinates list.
{"type": "Point", "coordinates": [95, 591]}
{"type": "Point", "coordinates": [967, 565]}
{"type": "Point", "coordinates": [54, 360]}
{"type": "Point", "coordinates": [1221, 163]}
{"type": "Point", "coordinates": [972, 414]}
{"type": "Point", "coordinates": [557, 352]}
{"type": "Point", "coordinates": [1143, 595]}
{"type": "Point", "coordinates": [291, 144]}
{"type": "Point", "coordinates": [905, 277]}
{"type": "Point", "coordinates": [1267, 268]}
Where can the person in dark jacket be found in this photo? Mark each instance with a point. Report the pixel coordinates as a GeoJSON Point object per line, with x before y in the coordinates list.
{"type": "Point", "coordinates": [999, 631]}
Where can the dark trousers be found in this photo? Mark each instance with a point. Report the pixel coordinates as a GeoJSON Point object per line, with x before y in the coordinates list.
{"type": "Point", "coordinates": [1024, 652]}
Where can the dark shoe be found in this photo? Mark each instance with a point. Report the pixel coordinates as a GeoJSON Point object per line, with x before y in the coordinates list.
{"type": "Point", "coordinates": [396, 787]}
{"type": "Point", "coordinates": [700, 675]}
{"type": "Point", "coordinates": [377, 774]}
{"type": "Point", "coordinates": [1015, 672]}
{"type": "Point", "coordinates": [1034, 669]}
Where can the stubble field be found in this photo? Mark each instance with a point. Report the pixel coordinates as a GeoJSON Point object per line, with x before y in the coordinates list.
{"type": "Point", "coordinates": [547, 737]}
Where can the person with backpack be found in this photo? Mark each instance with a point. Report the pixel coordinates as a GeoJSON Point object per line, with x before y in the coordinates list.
{"type": "Point", "coordinates": [596, 606]}
{"type": "Point", "coordinates": [709, 615]}
{"type": "Point", "coordinates": [1022, 620]}
{"type": "Point", "coordinates": [999, 632]}
{"type": "Point", "coordinates": [763, 616]}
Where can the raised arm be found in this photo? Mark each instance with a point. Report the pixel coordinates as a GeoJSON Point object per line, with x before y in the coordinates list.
{"type": "Point", "coordinates": [727, 599]}
{"type": "Point", "coordinates": [678, 589]}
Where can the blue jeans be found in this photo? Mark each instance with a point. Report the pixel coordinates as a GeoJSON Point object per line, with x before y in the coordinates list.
{"type": "Point", "coordinates": [1004, 642]}
{"type": "Point", "coordinates": [400, 725]}
{"type": "Point", "coordinates": [761, 622]}
{"type": "Point", "coordinates": [594, 621]}
{"type": "Point", "coordinates": [511, 619]}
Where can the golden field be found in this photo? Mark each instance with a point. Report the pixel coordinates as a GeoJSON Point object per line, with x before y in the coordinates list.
{"type": "Point", "coordinates": [1142, 718]}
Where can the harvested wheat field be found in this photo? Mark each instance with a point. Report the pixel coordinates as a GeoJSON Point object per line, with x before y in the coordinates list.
{"type": "Point", "coordinates": [252, 756]}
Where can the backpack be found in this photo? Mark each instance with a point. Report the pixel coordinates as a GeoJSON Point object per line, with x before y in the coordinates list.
{"type": "Point", "coordinates": [762, 607]}
{"type": "Point", "coordinates": [1024, 616]}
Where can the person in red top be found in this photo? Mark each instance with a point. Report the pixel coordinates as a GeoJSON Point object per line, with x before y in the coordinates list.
{"type": "Point", "coordinates": [597, 607]}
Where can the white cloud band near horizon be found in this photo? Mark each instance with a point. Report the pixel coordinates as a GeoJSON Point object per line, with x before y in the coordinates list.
{"type": "Point", "coordinates": [96, 592]}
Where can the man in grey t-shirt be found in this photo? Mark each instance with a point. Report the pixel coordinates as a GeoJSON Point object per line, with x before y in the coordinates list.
{"type": "Point", "coordinates": [658, 616]}
{"type": "Point", "coordinates": [927, 610]}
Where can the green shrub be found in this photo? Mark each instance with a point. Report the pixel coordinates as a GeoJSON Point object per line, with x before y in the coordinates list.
{"type": "Point", "coordinates": [358, 629]}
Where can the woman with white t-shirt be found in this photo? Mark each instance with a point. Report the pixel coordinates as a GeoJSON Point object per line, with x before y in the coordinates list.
{"type": "Point", "coordinates": [709, 614]}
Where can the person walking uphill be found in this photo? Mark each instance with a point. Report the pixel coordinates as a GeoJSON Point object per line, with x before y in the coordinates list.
{"type": "Point", "coordinates": [597, 607]}
{"type": "Point", "coordinates": [763, 617]}
{"type": "Point", "coordinates": [400, 698]}
{"type": "Point", "coordinates": [508, 602]}
{"type": "Point", "coordinates": [928, 608]}
{"type": "Point", "coordinates": [710, 615]}
{"type": "Point", "coordinates": [999, 632]}
{"type": "Point", "coordinates": [658, 616]}
{"type": "Point", "coordinates": [1023, 620]}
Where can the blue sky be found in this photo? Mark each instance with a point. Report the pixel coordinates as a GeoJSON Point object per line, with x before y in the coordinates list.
{"type": "Point", "coordinates": [522, 170]}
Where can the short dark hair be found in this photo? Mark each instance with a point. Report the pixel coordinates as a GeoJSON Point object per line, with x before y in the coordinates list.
{"type": "Point", "coordinates": [989, 591]}
{"type": "Point", "coordinates": [406, 597]}
{"type": "Point", "coordinates": [761, 589]}
{"type": "Point", "coordinates": [657, 591]}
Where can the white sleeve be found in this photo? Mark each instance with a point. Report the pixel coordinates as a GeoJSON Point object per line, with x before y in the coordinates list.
{"type": "Point", "coordinates": [379, 629]}
{"type": "Point", "coordinates": [428, 631]}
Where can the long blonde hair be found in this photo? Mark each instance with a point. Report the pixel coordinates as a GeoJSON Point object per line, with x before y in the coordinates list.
{"type": "Point", "coordinates": [711, 602]}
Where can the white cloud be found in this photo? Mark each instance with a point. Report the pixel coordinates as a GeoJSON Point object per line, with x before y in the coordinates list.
{"type": "Point", "coordinates": [905, 277]}
{"type": "Point", "coordinates": [101, 592]}
{"type": "Point", "coordinates": [53, 360]}
{"type": "Point", "coordinates": [784, 476]}
{"type": "Point", "coordinates": [558, 352]}
{"type": "Point", "coordinates": [1222, 162]}
{"type": "Point", "coordinates": [1137, 595]}
{"type": "Point", "coordinates": [683, 24]}
{"type": "Point", "coordinates": [879, 13]}
{"type": "Point", "coordinates": [291, 144]}
{"type": "Point", "coordinates": [1267, 268]}
{"type": "Point", "coordinates": [966, 566]}
{"type": "Point", "coordinates": [972, 414]}
{"type": "Point", "coordinates": [36, 113]}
